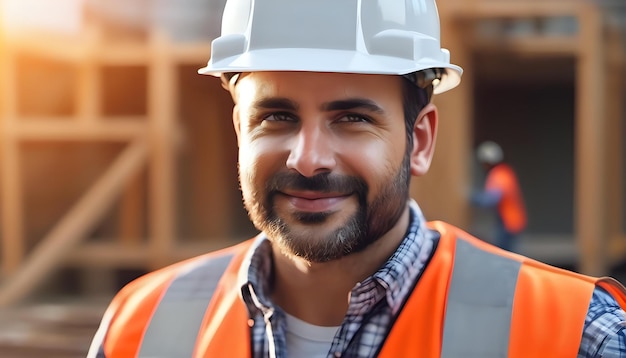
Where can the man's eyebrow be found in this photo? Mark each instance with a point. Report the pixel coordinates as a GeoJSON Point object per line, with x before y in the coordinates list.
{"type": "Point", "coordinates": [338, 105]}
{"type": "Point", "coordinates": [276, 103]}
{"type": "Point", "coordinates": [352, 103]}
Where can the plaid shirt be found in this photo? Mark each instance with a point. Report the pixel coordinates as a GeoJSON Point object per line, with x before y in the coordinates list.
{"type": "Point", "coordinates": [375, 301]}
{"type": "Point", "coordinates": [604, 334]}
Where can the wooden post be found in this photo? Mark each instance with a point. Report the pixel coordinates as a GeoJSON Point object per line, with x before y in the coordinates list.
{"type": "Point", "coordinates": [89, 84]}
{"type": "Point", "coordinates": [162, 108]}
{"type": "Point", "coordinates": [442, 192]}
{"type": "Point", "coordinates": [591, 219]}
{"type": "Point", "coordinates": [616, 85]}
{"type": "Point", "coordinates": [131, 214]}
{"type": "Point", "coordinates": [13, 245]}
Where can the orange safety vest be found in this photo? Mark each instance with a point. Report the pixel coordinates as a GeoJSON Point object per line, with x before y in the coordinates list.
{"type": "Point", "coordinates": [511, 207]}
{"type": "Point", "coordinates": [473, 299]}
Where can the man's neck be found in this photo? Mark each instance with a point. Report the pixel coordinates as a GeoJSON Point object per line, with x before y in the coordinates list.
{"type": "Point", "coordinates": [318, 293]}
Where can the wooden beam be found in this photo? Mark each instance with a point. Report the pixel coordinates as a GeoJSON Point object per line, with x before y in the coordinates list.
{"type": "Point", "coordinates": [162, 109]}
{"type": "Point", "coordinates": [616, 114]}
{"type": "Point", "coordinates": [90, 48]}
{"type": "Point", "coordinates": [74, 226]}
{"type": "Point", "coordinates": [591, 223]}
{"type": "Point", "coordinates": [43, 129]}
{"type": "Point", "coordinates": [511, 9]}
{"type": "Point", "coordinates": [13, 246]}
{"type": "Point", "coordinates": [529, 45]}
{"type": "Point", "coordinates": [132, 212]}
{"type": "Point", "coordinates": [89, 86]}
{"type": "Point", "coordinates": [111, 254]}
{"type": "Point", "coordinates": [442, 192]}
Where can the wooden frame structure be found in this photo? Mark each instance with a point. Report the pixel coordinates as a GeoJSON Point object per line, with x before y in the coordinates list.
{"type": "Point", "coordinates": [599, 177]}
{"type": "Point", "coordinates": [151, 144]}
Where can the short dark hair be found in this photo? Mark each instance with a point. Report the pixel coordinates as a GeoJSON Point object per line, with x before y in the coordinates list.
{"type": "Point", "coordinates": [414, 99]}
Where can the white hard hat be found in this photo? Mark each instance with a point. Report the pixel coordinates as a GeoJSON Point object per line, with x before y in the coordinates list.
{"type": "Point", "coordinates": [353, 36]}
{"type": "Point", "coordinates": [489, 152]}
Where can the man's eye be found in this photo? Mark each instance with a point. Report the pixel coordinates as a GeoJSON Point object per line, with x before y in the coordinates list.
{"type": "Point", "coordinates": [354, 118]}
{"type": "Point", "coordinates": [280, 117]}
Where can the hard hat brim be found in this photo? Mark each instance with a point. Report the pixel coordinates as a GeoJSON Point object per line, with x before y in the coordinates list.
{"type": "Point", "coordinates": [328, 60]}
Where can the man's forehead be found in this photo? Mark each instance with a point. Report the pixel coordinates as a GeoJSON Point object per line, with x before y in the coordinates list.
{"type": "Point", "coordinates": [287, 81]}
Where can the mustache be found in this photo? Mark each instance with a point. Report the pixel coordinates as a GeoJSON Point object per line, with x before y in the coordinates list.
{"type": "Point", "coordinates": [323, 182]}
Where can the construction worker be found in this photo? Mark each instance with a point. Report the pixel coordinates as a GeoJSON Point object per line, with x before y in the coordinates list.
{"type": "Point", "coordinates": [502, 194]}
{"type": "Point", "coordinates": [333, 116]}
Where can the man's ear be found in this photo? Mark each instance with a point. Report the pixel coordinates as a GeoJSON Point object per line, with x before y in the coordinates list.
{"type": "Point", "coordinates": [236, 122]}
{"type": "Point", "coordinates": [424, 135]}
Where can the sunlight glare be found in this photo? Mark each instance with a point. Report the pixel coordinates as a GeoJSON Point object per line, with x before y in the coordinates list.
{"type": "Point", "coordinates": [64, 16]}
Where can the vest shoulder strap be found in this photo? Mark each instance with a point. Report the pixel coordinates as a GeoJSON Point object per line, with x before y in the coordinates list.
{"type": "Point", "coordinates": [176, 321]}
{"type": "Point", "coordinates": [475, 300]}
{"type": "Point", "coordinates": [480, 304]}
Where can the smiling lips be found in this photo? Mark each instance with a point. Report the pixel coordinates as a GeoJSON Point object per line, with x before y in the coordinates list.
{"type": "Point", "coordinates": [315, 201]}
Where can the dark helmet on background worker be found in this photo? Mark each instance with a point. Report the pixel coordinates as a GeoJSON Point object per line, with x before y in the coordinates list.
{"type": "Point", "coordinates": [395, 37]}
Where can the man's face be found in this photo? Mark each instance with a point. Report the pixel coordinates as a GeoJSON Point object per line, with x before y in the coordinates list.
{"type": "Point", "coordinates": [322, 159]}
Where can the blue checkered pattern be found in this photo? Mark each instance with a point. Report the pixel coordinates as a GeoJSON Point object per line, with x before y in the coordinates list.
{"type": "Point", "coordinates": [603, 335]}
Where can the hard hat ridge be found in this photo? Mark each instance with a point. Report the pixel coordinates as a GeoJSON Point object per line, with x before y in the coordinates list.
{"type": "Point", "coordinates": [352, 36]}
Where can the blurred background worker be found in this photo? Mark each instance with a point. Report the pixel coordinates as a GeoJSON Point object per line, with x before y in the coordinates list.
{"type": "Point", "coordinates": [502, 194]}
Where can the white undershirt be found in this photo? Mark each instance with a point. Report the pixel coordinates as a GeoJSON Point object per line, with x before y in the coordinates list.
{"type": "Point", "coordinates": [307, 340]}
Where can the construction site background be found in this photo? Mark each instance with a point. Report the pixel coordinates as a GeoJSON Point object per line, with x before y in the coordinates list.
{"type": "Point", "coordinates": [117, 158]}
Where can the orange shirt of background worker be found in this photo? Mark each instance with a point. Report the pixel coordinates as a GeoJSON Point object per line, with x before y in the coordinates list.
{"type": "Point", "coordinates": [511, 207]}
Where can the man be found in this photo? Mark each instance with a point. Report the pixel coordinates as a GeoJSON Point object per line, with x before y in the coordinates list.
{"type": "Point", "coordinates": [333, 116]}
{"type": "Point", "coordinates": [502, 194]}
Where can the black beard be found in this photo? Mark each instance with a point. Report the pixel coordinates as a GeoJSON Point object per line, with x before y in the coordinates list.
{"type": "Point", "coordinates": [364, 227]}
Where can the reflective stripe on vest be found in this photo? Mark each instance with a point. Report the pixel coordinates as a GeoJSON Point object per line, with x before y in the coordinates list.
{"type": "Point", "coordinates": [481, 295]}
{"type": "Point", "coordinates": [174, 326]}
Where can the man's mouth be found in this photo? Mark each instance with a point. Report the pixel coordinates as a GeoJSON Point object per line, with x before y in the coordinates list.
{"type": "Point", "coordinates": [311, 201]}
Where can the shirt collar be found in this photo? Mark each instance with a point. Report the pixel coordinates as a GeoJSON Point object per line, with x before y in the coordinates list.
{"type": "Point", "coordinates": [399, 274]}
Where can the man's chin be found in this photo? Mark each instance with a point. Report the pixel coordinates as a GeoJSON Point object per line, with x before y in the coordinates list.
{"type": "Point", "coordinates": [317, 253]}
{"type": "Point", "coordinates": [318, 243]}
{"type": "Point", "coordinates": [315, 230]}
{"type": "Point", "coordinates": [312, 218]}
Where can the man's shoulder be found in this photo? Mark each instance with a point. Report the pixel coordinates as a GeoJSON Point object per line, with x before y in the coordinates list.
{"type": "Point", "coordinates": [450, 233]}
{"type": "Point", "coordinates": [211, 262]}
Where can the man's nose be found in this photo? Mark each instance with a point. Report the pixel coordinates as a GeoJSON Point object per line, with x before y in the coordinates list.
{"type": "Point", "coordinates": [311, 151]}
